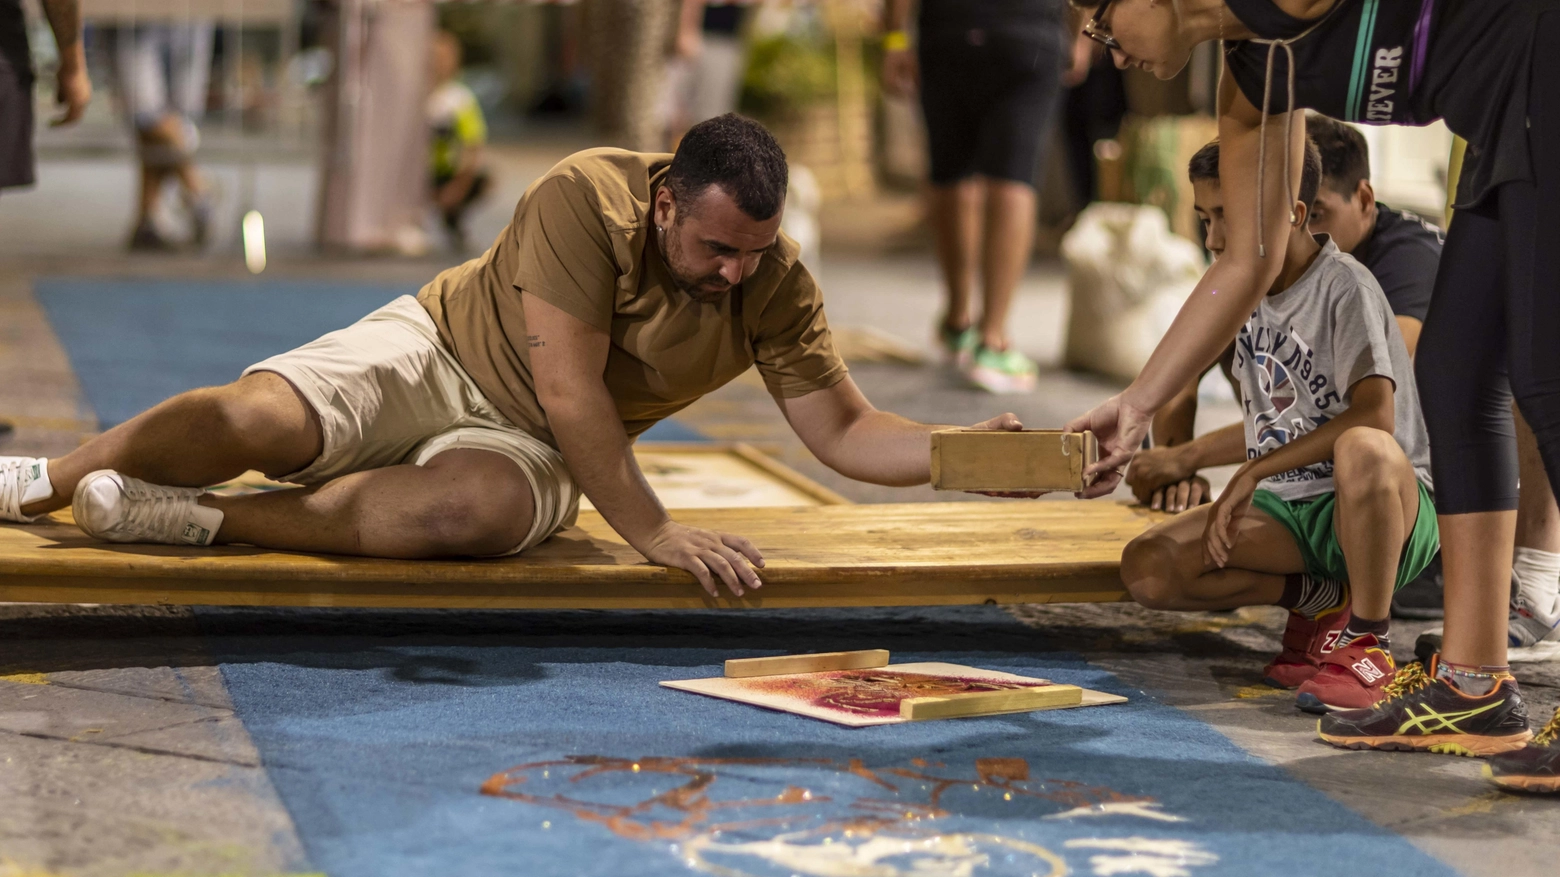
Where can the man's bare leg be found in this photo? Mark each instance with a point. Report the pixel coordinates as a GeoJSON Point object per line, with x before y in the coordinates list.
{"type": "Point", "coordinates": [199, 438]}
{"type": "Point", "coordinates": [1165, 567]}
{"type": "Point", "coordinates": [1009, 241]}
{"type": "Point", "coordinates": [956, 230]}
{"type": "Point", "coordinates": [462, 503]}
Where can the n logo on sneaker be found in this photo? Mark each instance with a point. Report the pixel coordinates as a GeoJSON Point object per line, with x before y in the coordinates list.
{"type": "Point", "coordinates": [1330, 641]}
{"type": "Point", "coordinates": [1367, 670]}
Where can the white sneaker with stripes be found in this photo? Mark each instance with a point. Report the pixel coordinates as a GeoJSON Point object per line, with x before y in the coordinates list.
{"type": "Point", "coordinates": [22, 480]}
{"type": "Point", "coordinates": [114, 507]}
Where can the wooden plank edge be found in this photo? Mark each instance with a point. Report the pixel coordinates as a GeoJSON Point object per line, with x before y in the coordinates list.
{"type": "Point", "coordinates": [817, 662]}
{"type": "Point", "coordinates": [278, 569]}
{"type": "Point", "coordinates": [982, 703]}
{"type": "Point", "coordinates": [198, 592]}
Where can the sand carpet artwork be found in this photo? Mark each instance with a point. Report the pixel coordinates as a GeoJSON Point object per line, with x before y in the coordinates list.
{"type": "Point", "coordinates": [822, 817]}
{"type": "Point", "coordinates": [868, 697]}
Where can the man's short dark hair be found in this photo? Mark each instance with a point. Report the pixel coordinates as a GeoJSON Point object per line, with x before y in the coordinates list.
{"type": "Point", "coordinates": [1345, 156]}
{"type": "Point", "coordinates": [1205, 166]}
{"type": "Point", "coordinates": [737, 154]}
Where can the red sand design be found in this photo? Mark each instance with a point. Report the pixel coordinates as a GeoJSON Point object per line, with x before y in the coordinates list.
{"type": "Point", "coordinates": [873, 692]}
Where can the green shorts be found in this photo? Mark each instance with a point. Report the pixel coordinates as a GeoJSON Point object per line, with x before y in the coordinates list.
{"type": "Point", "coordinates": [1310, 521]}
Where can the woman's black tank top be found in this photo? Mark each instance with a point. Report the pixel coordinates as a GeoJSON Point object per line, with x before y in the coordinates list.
{"type": "Point", "coordinates": [1407, 62]}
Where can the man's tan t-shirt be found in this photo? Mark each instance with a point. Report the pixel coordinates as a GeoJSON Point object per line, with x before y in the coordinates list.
{"type": "Point", "coordinates": [580, 241]}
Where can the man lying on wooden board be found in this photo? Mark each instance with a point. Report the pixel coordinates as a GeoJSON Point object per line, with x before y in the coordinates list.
{"type": "Point", "coordinates": [468, 421]}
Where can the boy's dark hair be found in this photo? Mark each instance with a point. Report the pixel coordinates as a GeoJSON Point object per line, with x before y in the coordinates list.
{"type": "Point", "coordinates": [735, 153]}
{"type": "Point", "coordinates": [1345, 156]}
{"type": "Point", "coordinates": [1205, 166]}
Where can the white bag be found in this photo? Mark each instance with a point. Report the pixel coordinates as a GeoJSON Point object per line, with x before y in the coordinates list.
{"type": "Point", "coordinates": [1128, 275]}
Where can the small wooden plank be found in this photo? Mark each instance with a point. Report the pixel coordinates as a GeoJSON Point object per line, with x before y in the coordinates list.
{"type": "Point", "coordinates": [986, 703]}
{"type": "Point", "coordinates": [996, 460]}
{"type": "Point", "coordinates": [912, 554]}
{"type": "Point", "coordinates": [780, 665]}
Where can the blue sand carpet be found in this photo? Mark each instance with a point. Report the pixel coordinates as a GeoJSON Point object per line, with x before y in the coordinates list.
{"type": "Point", "coordinates": [381, 748]}
{"type": "Point", "coordinates": [135, 342]}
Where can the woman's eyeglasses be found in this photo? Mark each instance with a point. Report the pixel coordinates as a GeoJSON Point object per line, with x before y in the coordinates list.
{"type": "Point", "coordinates": [1095, 30]}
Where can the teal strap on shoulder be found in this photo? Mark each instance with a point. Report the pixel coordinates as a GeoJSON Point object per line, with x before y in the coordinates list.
{"type": "Point", "coordinates": [1362, 41]}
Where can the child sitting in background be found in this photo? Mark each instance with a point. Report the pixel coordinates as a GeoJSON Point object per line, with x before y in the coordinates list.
{"type": "Point", "coordinates": [459, 133]}
{"type": "Point", "coordinates": [1332, 504]}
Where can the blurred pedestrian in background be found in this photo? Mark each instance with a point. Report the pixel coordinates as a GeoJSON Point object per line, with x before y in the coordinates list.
{"type": "Point", "coordinates": [72, 88]}
{"type": "Point", "coordinates": [163, 70]}
{"type": "Point", "coordinates": [989, 73]}
{"type": "Point", "coordinates": [459, 133]}
{"type": "Point", "coordinates": [704, 74]}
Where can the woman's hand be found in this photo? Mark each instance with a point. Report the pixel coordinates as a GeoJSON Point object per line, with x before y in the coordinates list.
{"type": "Point", "coordinates": [1224, 519]}
{"type": "Point", "coordinates": [1120, 428]}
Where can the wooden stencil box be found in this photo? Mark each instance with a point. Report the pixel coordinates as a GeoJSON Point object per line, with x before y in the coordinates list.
{"type": "Point", "coordinates": [1031, 459]}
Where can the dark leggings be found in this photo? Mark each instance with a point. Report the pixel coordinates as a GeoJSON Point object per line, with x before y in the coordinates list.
{"type": "Point", "coordinates": [1493, 331]}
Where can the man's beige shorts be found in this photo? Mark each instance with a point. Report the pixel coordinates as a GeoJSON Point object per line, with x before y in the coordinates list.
{"type": "Point", "coordinates": [387, 392]}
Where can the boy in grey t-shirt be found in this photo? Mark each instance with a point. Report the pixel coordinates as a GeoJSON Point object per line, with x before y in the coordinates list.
{"type": "Point", "coordinates": [1331, 511]}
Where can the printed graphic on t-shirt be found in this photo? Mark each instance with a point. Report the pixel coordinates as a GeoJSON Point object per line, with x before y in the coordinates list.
{"type": "Point", "coordinates": [1286, 372]}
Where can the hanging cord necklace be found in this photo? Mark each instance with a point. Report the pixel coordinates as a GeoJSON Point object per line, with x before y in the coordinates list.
{"type": "Point", "coordinates": [1287, 44]}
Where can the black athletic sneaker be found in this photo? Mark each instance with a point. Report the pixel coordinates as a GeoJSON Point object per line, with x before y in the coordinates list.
{"type": "Point", "coordinates": [1420, 712]}
{"type": "Point", "coordinates": [1533, 768]}
{"type": "Point", "coordinates": [1424, 598]}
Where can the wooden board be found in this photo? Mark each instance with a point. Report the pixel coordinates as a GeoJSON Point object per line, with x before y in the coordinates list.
{"type": "Point", "coordinates": [864, 698]}
{"type": "Point", "coordinates": [996, 460]}
{"type": "Point", "coordinates": [913, 554]}
{"type": "Point", "coordinates": [780, 665]}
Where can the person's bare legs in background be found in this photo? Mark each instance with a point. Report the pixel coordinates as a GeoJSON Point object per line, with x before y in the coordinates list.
{"type": "Point", "coordinates": [984, 230]}
{"type": "Point", "coordinates": [163, 73]}
{"type": "Point", "coordinates": [957, 217]}
{"type": "Point", "coordinates": [1010, 236]}
{"type": "Point", "coordinates": [165, 151]}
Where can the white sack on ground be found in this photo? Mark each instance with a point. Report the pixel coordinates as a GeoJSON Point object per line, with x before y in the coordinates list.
{"type": "Point", "coordinates": [1128, 275]}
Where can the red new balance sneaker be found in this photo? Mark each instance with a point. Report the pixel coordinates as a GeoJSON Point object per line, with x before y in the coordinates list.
{"type": "Point", "coordinates": [1350, 678]}
{"type": "Point", "coordinates": [1306, 642]}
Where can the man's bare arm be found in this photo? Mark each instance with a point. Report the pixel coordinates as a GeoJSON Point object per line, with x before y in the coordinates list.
{"type": "Point", "coordinates": [73, 88]}
{"type": "Point", "coordinates": [848, 435]}
{"type": "Point", "coordinates": [568, 357]}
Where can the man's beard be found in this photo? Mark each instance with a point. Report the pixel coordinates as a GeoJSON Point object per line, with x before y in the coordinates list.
{"type": "Point", "coordinates": [708, 289]}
